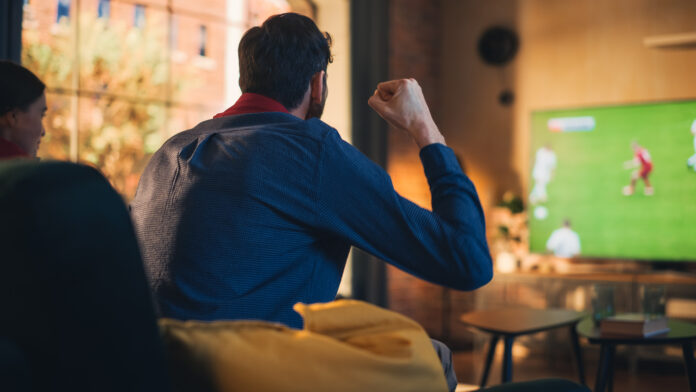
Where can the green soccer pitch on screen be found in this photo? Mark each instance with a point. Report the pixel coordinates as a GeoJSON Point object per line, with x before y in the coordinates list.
{"type": "Point", "coordinates": [614, 182]}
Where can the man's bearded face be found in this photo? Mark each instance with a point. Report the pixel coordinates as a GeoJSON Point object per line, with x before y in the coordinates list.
{"type": "Point", "coordinates": [316, 109]}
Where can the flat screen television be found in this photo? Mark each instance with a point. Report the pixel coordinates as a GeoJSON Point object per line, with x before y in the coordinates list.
{"type": "Point", "coordinates": [583, 163]}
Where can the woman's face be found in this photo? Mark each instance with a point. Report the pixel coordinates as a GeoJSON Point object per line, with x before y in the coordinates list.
{"type": "Point", "coordinates": [28, 126]}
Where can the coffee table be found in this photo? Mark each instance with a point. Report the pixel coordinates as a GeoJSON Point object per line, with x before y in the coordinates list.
{"type": "Point", "coordinates": [680, 332]}
{"type": "Point", "coordinates": [513, 322]}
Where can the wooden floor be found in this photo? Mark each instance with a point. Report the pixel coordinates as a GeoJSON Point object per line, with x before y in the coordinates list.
{"type": "Point", "coordinates": [630, 376]}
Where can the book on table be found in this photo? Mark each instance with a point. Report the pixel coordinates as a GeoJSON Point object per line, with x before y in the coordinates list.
{"type": "Point", "coordinates": [634, 324]}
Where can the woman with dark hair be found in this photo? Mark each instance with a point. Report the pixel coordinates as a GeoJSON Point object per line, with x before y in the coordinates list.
{"type": "Point", "coordinates": [22, 108]}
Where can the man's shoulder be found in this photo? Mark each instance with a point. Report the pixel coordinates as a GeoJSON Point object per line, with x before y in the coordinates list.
{"type": "Point", "coordinates": [257, 123]}
{"type": "Point", "coordinates": [322, 129]}
{"type": "Point", "coordinates": [279, 131]}
{"type": "Point", "coordinates": [260, 122]}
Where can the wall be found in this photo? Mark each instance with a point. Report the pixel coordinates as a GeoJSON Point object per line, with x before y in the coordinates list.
{"type": "Point", "coordinates": [414, 52]}
{"type": "Point", "coordinates": [473, 122]}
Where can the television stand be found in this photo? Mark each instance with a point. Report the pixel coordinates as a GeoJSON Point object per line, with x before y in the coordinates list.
{"type": "Point", "coordinates": [574, 290]}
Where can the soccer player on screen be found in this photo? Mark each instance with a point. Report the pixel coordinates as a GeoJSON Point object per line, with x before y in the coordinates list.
{"type": "Point", "coordinates": [643, 163]}
{"type": "Point", "coordinates": [544, 165]}
{"type": "Point", "coordinates": [691, 162]}
{"type": "Point", "coordinates": [564, 242]}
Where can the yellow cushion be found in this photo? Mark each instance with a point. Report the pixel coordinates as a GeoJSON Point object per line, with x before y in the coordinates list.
{"type": "Point", "coordinates": [346, 345]}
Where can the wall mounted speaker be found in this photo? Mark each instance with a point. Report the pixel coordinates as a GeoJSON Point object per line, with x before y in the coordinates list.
{"type": "Point", "coordinates": [498, 45]}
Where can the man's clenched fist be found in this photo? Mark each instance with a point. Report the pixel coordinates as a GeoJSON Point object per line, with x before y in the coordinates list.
{"type": "Point", "coordinates": [401, 104]}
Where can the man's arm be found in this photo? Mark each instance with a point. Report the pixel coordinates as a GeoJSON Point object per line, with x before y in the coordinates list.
{"type": "Point", "coordinates": [358, 203]}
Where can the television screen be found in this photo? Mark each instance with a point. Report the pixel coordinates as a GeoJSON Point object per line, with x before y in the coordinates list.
{"type": "Point", "coordinates": [614, 182]}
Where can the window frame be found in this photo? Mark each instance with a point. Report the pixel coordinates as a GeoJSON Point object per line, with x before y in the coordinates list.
{"type": "Point", "coordinates": [11, 13]}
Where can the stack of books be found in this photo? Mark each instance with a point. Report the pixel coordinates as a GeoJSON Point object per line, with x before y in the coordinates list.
{"type": "Point", "coordinates": [634, 324]}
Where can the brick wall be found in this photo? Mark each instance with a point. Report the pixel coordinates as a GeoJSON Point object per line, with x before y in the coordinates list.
{"type": "Point", "coordinates": [415, 52]}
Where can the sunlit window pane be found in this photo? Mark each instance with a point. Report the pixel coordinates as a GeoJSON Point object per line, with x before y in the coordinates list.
{"type": "Point", "coordinates": [139, 16]}
{"type": "Point", "coordinates": [182, 118]}
{"type": "Point", "coordinates": [63, 10]}
{"type": "Point", "coordinates": [198, 63]}
{"type": "Point", "coordinates": [127, 75]}
{"type": "Point", "coordinates": [260, 10]}
{"type": "Point", "coordinates": [47, 49]}
{"type": "Point", "coordinates": [203, 38]}
{"type": "Point", "coordinates": [119, 136]}
{"type": "Point", "coordinates": [104, 9]}
{"type": "Point", "coordinates": [59, 123]}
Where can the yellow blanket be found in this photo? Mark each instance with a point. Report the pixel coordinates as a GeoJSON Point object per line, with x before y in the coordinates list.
{"type": "Point", "coordinates": [346, 345]}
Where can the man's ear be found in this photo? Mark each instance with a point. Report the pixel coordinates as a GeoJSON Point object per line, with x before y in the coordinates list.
{"type": "Point", "coordinates": [317, 87]}
{"type": "Point", "coordinates": [8, 120]}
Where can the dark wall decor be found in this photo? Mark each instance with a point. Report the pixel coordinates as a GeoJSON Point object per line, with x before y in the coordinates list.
{"type": "Point", "coordinates": [497, 47]}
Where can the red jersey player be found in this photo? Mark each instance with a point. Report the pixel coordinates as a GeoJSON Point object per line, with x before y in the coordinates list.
{"type": "Point", "coordinates": [642, 161]}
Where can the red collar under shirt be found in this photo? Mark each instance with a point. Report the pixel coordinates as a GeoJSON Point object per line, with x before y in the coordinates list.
{"type": "Point", "coordinates": [10, 150]}
{"type": "Point", "coordinates": [253, 103]}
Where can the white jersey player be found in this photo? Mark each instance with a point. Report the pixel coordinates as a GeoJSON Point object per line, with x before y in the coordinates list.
{"type": "Point", "coordinates": [544, 165]}
{"type": "Point", "coordinates": [691, 162]}
{"type": "Point", "coordinates": [564, 242]}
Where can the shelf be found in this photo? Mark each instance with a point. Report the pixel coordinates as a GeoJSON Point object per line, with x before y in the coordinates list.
{"type": "Point", "coordinates": [671, 41]}
{"type": "Point", "coordinates": [656, 277]}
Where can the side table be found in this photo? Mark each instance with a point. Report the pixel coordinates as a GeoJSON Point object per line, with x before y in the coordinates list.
{"type": "Point", "coordinates": [510, 323]}
{"type": "Point", "coordinates": [680, 332]}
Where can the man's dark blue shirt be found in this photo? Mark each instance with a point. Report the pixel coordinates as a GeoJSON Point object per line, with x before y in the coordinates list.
{"type": "Point", "coordinates": [245, 215]}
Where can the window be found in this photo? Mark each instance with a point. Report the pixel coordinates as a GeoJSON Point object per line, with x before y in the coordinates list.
{"type": "Point", "coordinates": [139, 16]}
{"type": "Point", "coordinates": [104, 9]}
{"type": "Point", "coordinates": [63, 10]}
{"type": "Point", "coordinates": [203, 37]}
{"type": "Point", "coordinates": [116, 91]}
